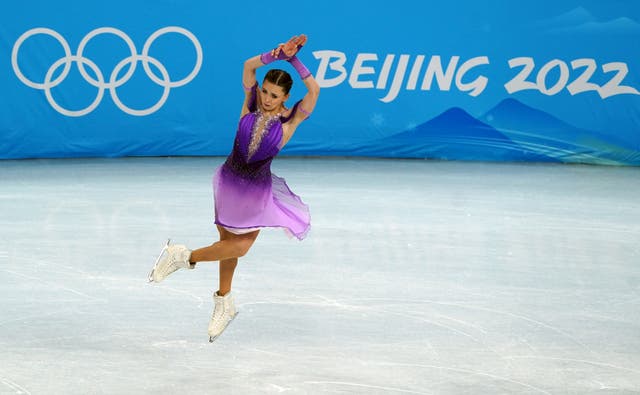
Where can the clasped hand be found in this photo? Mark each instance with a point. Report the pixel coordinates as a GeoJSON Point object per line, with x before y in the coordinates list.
{"type": "Point", "coordinates": [287, 50]}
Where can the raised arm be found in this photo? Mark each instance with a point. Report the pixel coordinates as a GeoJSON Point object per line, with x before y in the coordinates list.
{"type": "Point", "coordinates": [286, 52]}
{"type": "Point", "coordinates": [281, 52]}
{"type": "Point", "coordinates": [249, 81]}
{"type": "Point", "coordinates": [308, 103]}
{"type": "Point", "coordinates": [305, 108]}
{"type": "Point", "coordinates": [249, 72]}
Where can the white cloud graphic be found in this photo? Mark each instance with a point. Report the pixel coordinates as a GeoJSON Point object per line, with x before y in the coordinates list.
{"type": "Point", "coordinates": [575, 17]}
{"type": "Point", "coordinates": [580, 20]}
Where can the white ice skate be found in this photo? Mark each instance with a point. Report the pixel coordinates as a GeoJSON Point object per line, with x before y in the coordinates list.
{"type": "Point", "coordinates": [171, 258]}
{"type": "Point", "coordinates": [223, 313]}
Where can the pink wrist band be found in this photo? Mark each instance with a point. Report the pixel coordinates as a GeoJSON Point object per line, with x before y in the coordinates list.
{"type": "Point", "coordinates": [300, 68]}
{"type": "Point", "coordinates": [267, 57]}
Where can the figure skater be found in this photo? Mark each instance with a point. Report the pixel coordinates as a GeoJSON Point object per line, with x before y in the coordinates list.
{"type": "Point", "coordinates": [248, 197]}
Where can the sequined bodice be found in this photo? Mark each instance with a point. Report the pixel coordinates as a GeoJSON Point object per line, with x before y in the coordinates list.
{"type": "Point", "coordinates": [257, 142]}
{"type": "Point", "coordinates": [261, 126]}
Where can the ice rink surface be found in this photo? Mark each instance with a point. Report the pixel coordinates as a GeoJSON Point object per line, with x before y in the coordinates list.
{"type": "Point", "coordinates": [418, 277]}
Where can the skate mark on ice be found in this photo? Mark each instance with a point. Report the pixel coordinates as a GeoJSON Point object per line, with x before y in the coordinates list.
{"type": "Point", "coordinates": [603, 386]}
{"type": "Point", "coordinates": [54, 285]}
{"type": "Point", "coordinates": [14, 386]}
{"type": "Point", "coordinates": [38, 316]}
{"type": "Point", "coordinates": [272, 353]}
{"type": "Point", "coordinates": [279, 388]}
{"type": "Point", "coordinates": [542, 324]}
{"type": "Point", "coordinates": [405, 315]}
{"type": "Point", "coordinates": [461, 322]}
{"type": "Point", "coordinates": [335, 303]}
{"type": "Point", "coordinates": [413, 315]}
{"type": "Point", "coordinates": [361, 385]}
{"type": "Point", "coordinates": [171, 344]}
{"type": "Point", "coordinates": [290, 303]}
{"type": "Point", "coordinates": [195, 297]}
{"type": "Point", "coordinates": [467, 371]}
{"type": "Point", "coordinates": [595, 363]}
{"type": "Point", "coordinates": [469, 307]}
{"type": "Point", "coordinates": [454, 330]}
{"type": "Point", "coordinates": [348, 307]}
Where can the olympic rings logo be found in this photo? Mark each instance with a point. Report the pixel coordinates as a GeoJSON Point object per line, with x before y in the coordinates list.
{"type": "Point", "coordinates": [99, 82]}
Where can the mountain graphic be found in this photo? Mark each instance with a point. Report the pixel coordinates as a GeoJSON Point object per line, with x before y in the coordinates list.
{"type": "Point", "coordinates": [510, 131]}
{"type": "Point", "coordinates": [452, 135]}
{"type": "Point", "coordinates": [543, 133]}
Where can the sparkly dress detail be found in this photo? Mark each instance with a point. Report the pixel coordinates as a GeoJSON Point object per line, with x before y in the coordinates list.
{"type": "Point", "coordinates": [247, 194]}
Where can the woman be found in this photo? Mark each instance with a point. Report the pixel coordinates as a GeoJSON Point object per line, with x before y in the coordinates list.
{"type": "Point", "coordinates": [248, 197]}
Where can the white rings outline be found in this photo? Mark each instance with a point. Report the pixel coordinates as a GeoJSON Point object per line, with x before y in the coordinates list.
{"type": "Point", "coordinates": [113, 82]}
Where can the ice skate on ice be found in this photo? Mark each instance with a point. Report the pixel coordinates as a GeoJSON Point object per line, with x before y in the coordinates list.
{"type": "Point", "coordinates": [224, 312]}
{"type": "Point", "coordinates": [171, 258]}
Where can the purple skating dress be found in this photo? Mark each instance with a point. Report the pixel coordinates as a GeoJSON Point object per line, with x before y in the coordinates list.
{"type": "Point", "coordinates": [247, 195]}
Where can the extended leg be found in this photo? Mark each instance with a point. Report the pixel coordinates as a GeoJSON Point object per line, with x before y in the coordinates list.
{"type": "Point", "coordinates": [229, 247]}
{"type": "Point", "coordinates": [232, 246]}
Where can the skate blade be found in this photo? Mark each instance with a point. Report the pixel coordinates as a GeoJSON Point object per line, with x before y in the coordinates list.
{"type": "Point", "coordinates": [212, 338]}
{"type": "Point", "coordinates": [155, 265]}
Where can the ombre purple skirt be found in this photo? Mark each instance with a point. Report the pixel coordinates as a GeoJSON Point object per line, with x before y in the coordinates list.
{"type": "Point", "coordinates": [247, 195]}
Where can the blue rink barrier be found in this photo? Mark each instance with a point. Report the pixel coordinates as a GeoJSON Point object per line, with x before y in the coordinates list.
{"type": "Point", "coordinates": [550, 81]}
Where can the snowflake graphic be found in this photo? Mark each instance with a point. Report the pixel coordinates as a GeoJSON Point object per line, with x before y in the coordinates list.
{"type": "Point", "coordinates": [377, 119]}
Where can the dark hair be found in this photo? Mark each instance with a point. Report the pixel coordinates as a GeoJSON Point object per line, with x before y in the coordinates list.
{"type": "Point", "coordinates": [280, 78]}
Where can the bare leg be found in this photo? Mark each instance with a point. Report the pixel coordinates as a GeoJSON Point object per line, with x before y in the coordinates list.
{"type": "Point", "coordinates": [227, 251]}
{"type": "Point", "coordinates": [227, 267]}
{"type": "Point", "coordinates": [229, 247]}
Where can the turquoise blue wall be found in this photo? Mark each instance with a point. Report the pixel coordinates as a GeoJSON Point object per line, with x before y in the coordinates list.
{"type": "Point", "coordinates": [467, 80]}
